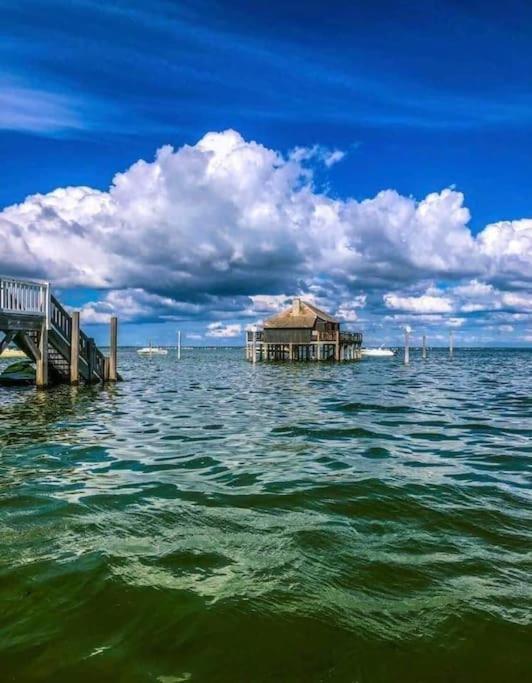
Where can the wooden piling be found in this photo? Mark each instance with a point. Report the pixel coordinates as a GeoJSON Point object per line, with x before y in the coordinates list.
{"type": "Point", "coordinates": [179, 345]}
{"type": "Point", "coordinates": [41, 376]}
{"type": "Point", "coordinates": [424, 348]}
{"type": "Point", "coordinates": [74, 349]}
{"type": "Point", "coordinates": [451, 344]}
{"type": "Point", "coordinates": [113, 376]}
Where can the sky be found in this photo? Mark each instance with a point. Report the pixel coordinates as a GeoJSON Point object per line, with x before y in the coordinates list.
{"type": "Point", "coordinates": [195, 165]}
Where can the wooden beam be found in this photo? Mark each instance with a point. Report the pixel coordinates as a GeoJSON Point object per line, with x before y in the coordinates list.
{"type": "Point", "coordinates": [19, 323]}
{"type": "Point", "coordinates": [32, 347]}
{"type": "Point", "coordinates": [42, 361]}
{"type": "Point", "coordinates": [5, 341]}
{"type": "Point", "coordinates": [74, 349]}
{"type": "Point", "coordinates": [114, 347]}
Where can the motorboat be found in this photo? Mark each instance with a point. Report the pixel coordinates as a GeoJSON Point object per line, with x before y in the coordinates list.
{"type": "Point", "coordinates": [152, 351]}
{"type": "Point", "coordinates": [380, 352]}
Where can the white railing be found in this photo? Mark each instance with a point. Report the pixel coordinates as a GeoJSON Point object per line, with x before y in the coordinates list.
{"type": "Point", "coordinates": [24, 297]}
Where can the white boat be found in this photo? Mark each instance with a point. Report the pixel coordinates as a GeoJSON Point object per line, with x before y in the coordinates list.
{"type": "Point", "coordinates": [152, 351]}
{"type": "Point", "coordinates": [380, 352]}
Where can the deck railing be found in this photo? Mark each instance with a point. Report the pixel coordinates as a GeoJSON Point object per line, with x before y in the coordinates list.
{"type": "Point", "coordinates": [61, 320]}
{"type": "Point", "coordinates": [259, 336]}
{"type": "Point", "coordinates": [350, 337]}
{"type": "Point", "coordinates": [24, 297]}
{"type": "Point", "coordinates": [345, 337]}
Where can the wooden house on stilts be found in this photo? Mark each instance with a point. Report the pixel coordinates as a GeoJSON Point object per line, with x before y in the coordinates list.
{"type": "Point", "coordinates": [302, 333]}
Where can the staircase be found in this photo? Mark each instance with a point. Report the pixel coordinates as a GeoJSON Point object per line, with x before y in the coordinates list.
{"type": "Point", "coordinates": [31, 317]}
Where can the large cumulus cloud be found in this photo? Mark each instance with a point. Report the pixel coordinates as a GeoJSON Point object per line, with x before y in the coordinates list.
{"type": "Point", "coordinates": [226, 223]}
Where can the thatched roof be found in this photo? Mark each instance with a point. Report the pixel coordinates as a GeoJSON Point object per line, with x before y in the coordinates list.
{"type": "Point", "coordinates": [300, 315]}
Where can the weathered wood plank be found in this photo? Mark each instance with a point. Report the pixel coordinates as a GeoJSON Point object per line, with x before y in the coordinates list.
{"type": "Point", "coordinates": [113, 351]}
{"type": "Point", "coordinates": [74, 349]}
{"type": "Point", "coordinates": [42, 362]}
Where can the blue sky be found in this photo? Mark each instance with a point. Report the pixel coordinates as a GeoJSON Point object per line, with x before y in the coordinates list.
{"type": "Point", "coordinates": [414, 97]}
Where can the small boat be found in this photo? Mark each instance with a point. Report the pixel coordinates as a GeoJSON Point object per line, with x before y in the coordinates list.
{"type": "Point", "coordinates": [20, 372]}
{"type": "Point", "coordinates": [152, 351]}
{"type": "Point", "coordinates": [378, 353]}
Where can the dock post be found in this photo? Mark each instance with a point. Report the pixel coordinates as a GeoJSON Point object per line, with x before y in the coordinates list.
{"type": "Point", "coordinates": [451, 344]}
{"type": "Point", "coordinates": [41, 375]}
{"type": "Point", "coordinates": [179, 345]}
{"type": "Point", "coordinates": [74, 349]}
{"type": "Point", "coordinates": [407, 348]}
{"type": "Point", "coordinates": [113, 349]}
{"type": "Point", "coordinates": [424, 349]}
{"type": "Point", "coordinates": [254, 345]}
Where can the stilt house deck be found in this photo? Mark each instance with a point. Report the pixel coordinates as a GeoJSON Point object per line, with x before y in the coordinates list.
{"type": "Point", "coordinates": [302, 332]}
{"type": "Point", "coordinates": [34, 320]}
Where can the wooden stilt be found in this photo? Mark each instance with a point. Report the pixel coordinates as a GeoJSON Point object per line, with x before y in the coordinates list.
{"type": "Point", "coordinates": [74, 349]}
{"type": "Point", "coordinates": [41, 377]}
{"type": "Point", "coordinates": [113, 350]}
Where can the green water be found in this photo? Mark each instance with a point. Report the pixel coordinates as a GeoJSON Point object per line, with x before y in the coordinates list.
{"type": "Point", "coordinates": [209, 520]}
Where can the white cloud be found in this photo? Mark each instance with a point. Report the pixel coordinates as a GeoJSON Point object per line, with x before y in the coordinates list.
{"type": "Point", "coordinates": [425, 303]}
{"type": "Point", "coordinates": [228, 228]}
{"type": "Point", "coordinates": [508, 246]}
{"type": "Point", "coordinates": [455, 322]}
{"type": "Point", "coordinates": [218, 329]}
{"type": "Point", "coordinates": [317, 153]}
{"type": "Point", "coordinates": [518, 300]}
{"type": "Point", "coordinates": [136, 305]}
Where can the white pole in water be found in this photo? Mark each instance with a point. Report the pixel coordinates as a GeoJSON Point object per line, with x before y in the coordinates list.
{"type": "Point", "coordinates": [424, 351]}
{"type": "Point", "coordinates": [179, 345]}
{"type": "Point", "coordinates": [451, 344]}
{"type": "Point", "coordinates": [407, 349]}
{"type": "Point", "coordinates": [254, 345]}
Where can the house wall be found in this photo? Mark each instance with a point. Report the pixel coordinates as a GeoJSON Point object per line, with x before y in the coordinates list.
{"type": "Point", "coordinates": [287, 336]}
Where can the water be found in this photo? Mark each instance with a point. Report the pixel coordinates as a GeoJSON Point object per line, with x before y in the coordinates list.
{"type": "Point", "coordinates": [213, 521]}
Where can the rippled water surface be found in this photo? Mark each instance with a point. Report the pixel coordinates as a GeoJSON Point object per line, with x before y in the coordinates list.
{"type": "Point", "coordinates": [207, 520]}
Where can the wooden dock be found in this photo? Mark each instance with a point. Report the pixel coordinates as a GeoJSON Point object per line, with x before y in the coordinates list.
{"type": "Point", "coordinates": [34, 320]}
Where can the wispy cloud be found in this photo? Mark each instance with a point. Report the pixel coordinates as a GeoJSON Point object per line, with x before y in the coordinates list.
{"type": "Point", "coordinates": [175, 64]}
{"type": "Point", "coordinates": [38, 111]}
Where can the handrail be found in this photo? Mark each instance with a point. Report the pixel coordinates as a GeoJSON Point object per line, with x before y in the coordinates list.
{"type": "Point", "coordinates": [345, 337]}
{"type": "Point", "coordinates": [24, 297]}
{"type": "Point", "coordinates": [60, 319]}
